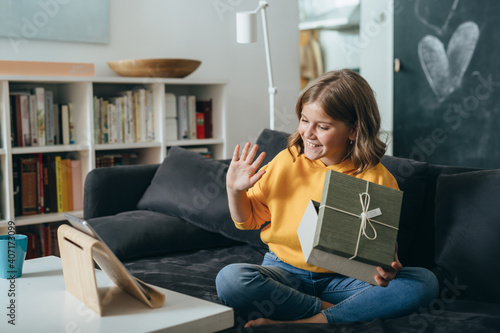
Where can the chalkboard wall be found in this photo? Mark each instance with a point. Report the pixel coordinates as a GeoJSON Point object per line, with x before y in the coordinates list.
{"type": "Point", "coordinates": [447, 92]}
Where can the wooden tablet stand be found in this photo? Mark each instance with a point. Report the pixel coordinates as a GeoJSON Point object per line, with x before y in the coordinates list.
{"type": "Point", "coordinates": [78, 252]}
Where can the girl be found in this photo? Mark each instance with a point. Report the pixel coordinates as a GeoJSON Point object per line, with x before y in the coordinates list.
{"type": "Point", "coordinates": [338, 130]}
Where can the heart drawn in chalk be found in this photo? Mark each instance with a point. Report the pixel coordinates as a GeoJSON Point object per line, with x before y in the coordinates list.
{"type": "Point", "coordinates": [437, 20]}
{"type": "Point", "coordinates": [445, 69]}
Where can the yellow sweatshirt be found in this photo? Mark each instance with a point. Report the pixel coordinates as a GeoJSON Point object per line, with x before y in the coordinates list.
{"type": "Point", "coordinates": [282, 194]}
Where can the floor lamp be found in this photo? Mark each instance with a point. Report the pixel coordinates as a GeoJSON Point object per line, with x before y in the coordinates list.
{"type": "Point", "coordinates": [246, 32]}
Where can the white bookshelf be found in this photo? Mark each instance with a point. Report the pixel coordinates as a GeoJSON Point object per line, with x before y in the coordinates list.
{"type": "Point", "coordinates": [80, 92]}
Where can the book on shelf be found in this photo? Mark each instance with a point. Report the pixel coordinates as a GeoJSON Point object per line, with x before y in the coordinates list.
{"type": "Point", "coordinates": [49, 119]}
{"type": "Point", "coordinates": [112, 130]}
{"type": "Point", "coordinates": [144, 115]}
{"type": "Point", "coordinates": [25, 120]}
{"type": "Point", "coordinates": [97, 117]}
{"type": "Point", "coordinates": [200, 125]}
{"type": "Point", "coordinates": [39, 180]}
{"type": "Point", "coordinates": [182, 117]}
{"type": "Point", "coordinates": [33, 122]}
{"type": "Point", "coordinates": [140, 114]}
{"type": "Point", "coordinates": [61, 187]}
{"type": "Point", "coordinates": [104, 122]}
{"type": "Point", "coordinates": [46, 183]}
{"type": "Point", "coordinates": [205, 107]}
{"type": "Point", "coordinates": [68, 182]}
{"type": "Point", "coordinates": [150, 117]}
{"type": "Point", "coordinates": [118, 120]}
{"type": "Point", "coordinates": [16, 181]}
{"type": "Point", "coordinates": [50, 191]}
{"type": "Point", "coordinates": [76, 174]}
{"type": "Point", "coordinates": [65, 124]}
{"type": "Point", "coordinates": [24, 116]}
{"type": "Point", "coordinates": [71, 124]}
{"type": "Point", "coordinates": [191, 106]}
{"type": "Point", "coordinates": [13, 122]}
{"type": "Point", "coordinates": [129, 118]}
{"type": "Point", "coordinates": [19, 102]}
{"type": "Point", "coordinates": [29, 185]}
{"type": "Point", "coordinates": [56, 111]}
{"type": "Point", "coordinates": [171, 126]}
{"type": "Point", "coordinates": [40, 114]}
{"type": "Point", "coordinates": [170, 105]}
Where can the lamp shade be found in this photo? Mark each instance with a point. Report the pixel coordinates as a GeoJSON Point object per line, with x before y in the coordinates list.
{"type": "Point", "coordinates": [246, 27]}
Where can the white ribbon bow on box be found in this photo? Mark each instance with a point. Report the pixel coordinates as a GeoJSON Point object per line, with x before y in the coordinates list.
{"type": "Point", "coordinates": [365, 216]}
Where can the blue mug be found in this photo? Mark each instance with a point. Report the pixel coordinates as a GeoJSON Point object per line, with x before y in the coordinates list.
{"type": "Point", "coordinates": [12, 253]}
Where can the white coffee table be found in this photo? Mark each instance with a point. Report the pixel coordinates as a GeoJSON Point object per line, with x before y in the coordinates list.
{"type": "Point", "coordinates": [42, 304]}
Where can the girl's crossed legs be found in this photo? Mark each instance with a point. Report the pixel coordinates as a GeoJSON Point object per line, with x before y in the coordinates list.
{"type": "Point", "coordinates": [280, 291]}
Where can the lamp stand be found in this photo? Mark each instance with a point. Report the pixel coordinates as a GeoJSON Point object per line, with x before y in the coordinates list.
{"type": "Point", "coordinates": [272, 89]}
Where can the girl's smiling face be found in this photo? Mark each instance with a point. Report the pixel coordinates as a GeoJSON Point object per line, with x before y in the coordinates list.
{"type": "Point", "coordinates": [324, 138]}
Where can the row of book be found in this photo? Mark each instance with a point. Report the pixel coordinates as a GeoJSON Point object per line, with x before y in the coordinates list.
{"type": "Point", "coordinates": [111, 158]}
{"type": "Point", "coordinates": [126, 118]}
{"type": "Point", "coordinates": [187, 118]}
{"type": "Point", "coordinates": [46, 183]}
{"type": "Point", "coordinates": [42, 240]}
{"type": "Point", "coordinates": [36, 120]}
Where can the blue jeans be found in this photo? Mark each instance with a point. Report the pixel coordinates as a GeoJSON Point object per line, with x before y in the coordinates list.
{"type": "Point", "coordinates": [279, 291]}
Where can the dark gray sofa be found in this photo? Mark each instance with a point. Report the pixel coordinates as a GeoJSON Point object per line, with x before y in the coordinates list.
{"type": "Point", "coordinates": [170, 225]}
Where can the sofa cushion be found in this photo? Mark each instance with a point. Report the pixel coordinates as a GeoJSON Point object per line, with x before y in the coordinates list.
{"type": "Point", "coordinates": [192, 187]}
{"type": "Point", "coordinates": [105, 192]}
{"type": "Point", "coordinates": [411, 177]}
{"type": "Point", "coordinates": [467, 232]}
{"type": "Point", "coordinates": [140, 233]}
{"type": "Point", "coordinates": [272, 142]}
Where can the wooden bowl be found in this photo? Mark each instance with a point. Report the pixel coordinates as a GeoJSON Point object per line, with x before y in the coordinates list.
{"type": "Point", "coordinates": [174, 68]}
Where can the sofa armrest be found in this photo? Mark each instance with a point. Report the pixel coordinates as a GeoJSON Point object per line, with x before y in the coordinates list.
{"type": "Point", "coordinates": [109, 191]}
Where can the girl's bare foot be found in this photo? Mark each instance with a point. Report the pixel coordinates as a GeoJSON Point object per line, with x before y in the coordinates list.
{"type": "Point", "coordinates": [262, 321]}
{"type": "Point", "coordinates": [319, 318]}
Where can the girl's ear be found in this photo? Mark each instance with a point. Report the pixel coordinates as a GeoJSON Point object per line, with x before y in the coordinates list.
{"type": "Point", "coordinates": [354, 132]}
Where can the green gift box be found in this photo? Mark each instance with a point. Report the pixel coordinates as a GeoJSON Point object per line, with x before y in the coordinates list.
{"type": "Point", "coordinates": [354, 228]}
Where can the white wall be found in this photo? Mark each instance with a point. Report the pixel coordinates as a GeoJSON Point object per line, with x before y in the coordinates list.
{"type": "Point", "coordinates": [196, 29]}
{"type": "Point", "coordinates": [376, 48]}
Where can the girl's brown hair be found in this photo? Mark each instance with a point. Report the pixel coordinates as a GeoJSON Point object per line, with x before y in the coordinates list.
{"type": "Point", "coordinates": [346, 96]}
